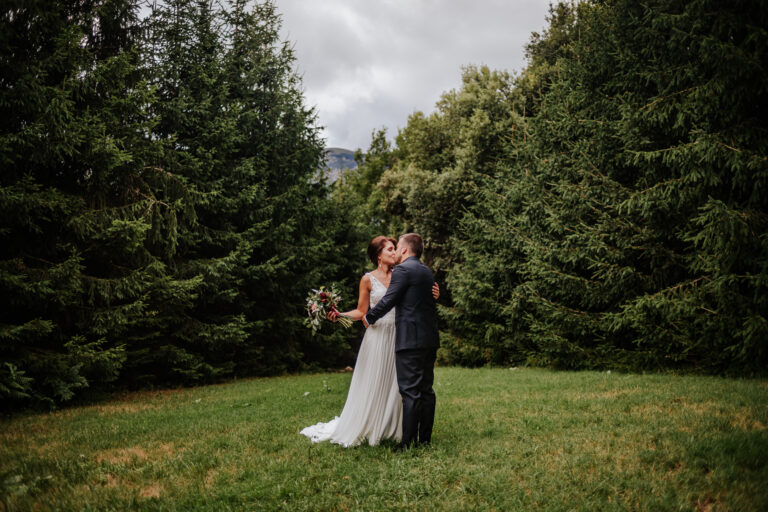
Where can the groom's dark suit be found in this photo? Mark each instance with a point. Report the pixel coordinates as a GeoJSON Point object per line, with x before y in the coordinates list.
{"type": "Point", "coordinates": [416, 344]}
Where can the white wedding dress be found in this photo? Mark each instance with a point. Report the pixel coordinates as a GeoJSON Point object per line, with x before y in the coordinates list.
{"type": "Point", "coordinates": [374, 409]}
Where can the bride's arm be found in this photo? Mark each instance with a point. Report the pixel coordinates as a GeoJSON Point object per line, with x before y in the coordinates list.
{"type": "Point", "coordinates": [362, 302]}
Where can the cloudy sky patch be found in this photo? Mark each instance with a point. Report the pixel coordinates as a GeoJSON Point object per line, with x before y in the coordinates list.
{"type": "Point", "coordinates": [368, 64]}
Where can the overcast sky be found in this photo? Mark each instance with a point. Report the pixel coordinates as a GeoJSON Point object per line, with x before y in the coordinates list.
{"type": "Point", "coordinates": [367, 64]}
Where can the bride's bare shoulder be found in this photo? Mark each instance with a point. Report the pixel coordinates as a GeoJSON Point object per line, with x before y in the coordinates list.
{"type": "Point", "coordinates": [365, 280]}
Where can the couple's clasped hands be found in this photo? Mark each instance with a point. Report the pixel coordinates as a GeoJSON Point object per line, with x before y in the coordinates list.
{"type": "Point", "coordinates": [334, 315]}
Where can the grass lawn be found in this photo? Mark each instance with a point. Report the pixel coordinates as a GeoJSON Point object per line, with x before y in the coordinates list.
{"type": "Point", "coordinates": [503, 440]}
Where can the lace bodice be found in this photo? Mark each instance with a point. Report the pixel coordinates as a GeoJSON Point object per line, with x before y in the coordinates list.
{"type": "Point", "coordinates": [378, 290]}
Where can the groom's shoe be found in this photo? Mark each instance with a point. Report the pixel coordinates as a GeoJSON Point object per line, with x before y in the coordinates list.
{"type": "Point", "coordinates": [402, 447]}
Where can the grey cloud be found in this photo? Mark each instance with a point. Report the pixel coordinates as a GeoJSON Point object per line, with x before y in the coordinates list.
{"type": "Point", "coordinates": [367, 64]}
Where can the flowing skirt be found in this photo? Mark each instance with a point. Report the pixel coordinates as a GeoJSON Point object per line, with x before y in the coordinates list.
{"type": "Point", "coordinates": [374, 409]}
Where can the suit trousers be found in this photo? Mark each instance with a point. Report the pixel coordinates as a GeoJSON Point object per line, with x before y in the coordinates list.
{"type": "Point", "coordinates": [415, 377]}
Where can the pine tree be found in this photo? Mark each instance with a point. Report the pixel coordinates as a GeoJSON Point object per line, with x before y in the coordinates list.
{"type": "Point", "coordinates": [280, 151]}
{"type": "Point", "coordinates": [488, 320]}
{"type": "Point", "coordinates": [643, 235]}
{"type": "Point", "coordinates": [696, 130]}
{"type": "Point", "coordinates": [239, 139]}
{"type": "Point", "coordinates": [76, 273]}
{"type": "Point", "coordinates": [625, 227]}
{"type": "Point", "coordinates": [198, 329]}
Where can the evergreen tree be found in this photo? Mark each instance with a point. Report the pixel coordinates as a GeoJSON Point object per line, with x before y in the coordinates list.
{"type": "Point", "coordinates": [76, 272]}
{"type": "Point", "coordinates": [239, 139]}
{"type": "Point", "coordinates": [195, 127]}
{"type": "Point", "coordinates": [642, 233]}
{"type": "Point", "coordinates": [161, 221]}
{"type": "Point", "coordinates": [693, 130]}
{"type": "Point", "coordinates": [623, 226]}
{"type": "Point", "coordinates": [488, 322]}
{"type": "Point", "coordinates": [290, 228]}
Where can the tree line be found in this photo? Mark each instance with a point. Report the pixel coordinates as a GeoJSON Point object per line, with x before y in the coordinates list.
{"type": "Point", "coordinates": [604, 208]}
{"type": "Point", "coordinates": [163, 216]}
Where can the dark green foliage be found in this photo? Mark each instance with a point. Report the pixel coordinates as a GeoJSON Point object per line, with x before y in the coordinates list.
{"type": "Point", "coordinates": [357, 193]}
{"type": "Point", "coordinates": [163, 216]}
{"type": "Point", "coordinates": [298, 246]}
{"type": "Point", "coordinates": [236, 133]}
{"type": "Point", "coordinates": [486, 319]}
{"type": "Point", "coordinates": [634, 213]}
{"type": "Point", "coordinates": [433, 175]}
{"type": "Point", "coordinates": [651, 210]}
{"type": "Point", "coordinates": [197, 128]}
{"type": "Point", "coordinates": [76, 274]}
{"type": "Point", "coordinates": [160, 221]}
{"type": "Point", "coordinates": [607, 206]}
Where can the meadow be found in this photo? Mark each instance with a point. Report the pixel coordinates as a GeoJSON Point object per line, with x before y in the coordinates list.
{"type": "Point", "coordinates": [505, 439]}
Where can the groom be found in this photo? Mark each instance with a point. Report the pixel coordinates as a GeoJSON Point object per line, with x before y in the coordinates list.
{"type": "Point", "coordinates": [416, 340]}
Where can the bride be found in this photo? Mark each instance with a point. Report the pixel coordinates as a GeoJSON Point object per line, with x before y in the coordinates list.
{"type": "Point", "coordinates": [374, 409]}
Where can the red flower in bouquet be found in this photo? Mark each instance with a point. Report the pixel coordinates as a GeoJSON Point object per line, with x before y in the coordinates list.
{"type": "Point", "coordinates": [319, 304]}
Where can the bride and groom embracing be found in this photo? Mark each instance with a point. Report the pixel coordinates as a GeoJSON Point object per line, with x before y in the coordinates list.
{"type": "Point", "coordinates": [390, 394]}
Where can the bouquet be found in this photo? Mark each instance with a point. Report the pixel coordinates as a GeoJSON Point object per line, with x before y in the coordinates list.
{"type": "Point", "coordinates": [319, 304]}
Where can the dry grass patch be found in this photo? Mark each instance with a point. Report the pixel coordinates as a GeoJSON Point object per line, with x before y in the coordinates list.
{"type": "Point", "coordinates": [741, 418]}
{"type": "Point", "coordinates": [611, 394]}
{"type": "Point", "coordinates": [27, 429]}
{"type": "Point", "coordinates": [136, 453]}
{"type": "Point", "coordinates": [34, 438]}
{"type": "Point", "coordinates": [119, 408]}
{"type": "Point", "coordinates": [122, 456]}
{"type": "Point", "coordinates": [213, 474]}
{"type": "Point", "coordinates": [646, 410]}
{"type": "Point", "coordinates": [132, 396]}
{"type": "Point", "coordinates": [676, 408]}
{"type": "Point", "coordinates": [621, 458]}
{"type": "Point", "coordinates": [709, 504]}
{"type": "Point", "coordinates": [48, 447]}
{"type": "Point", "coordinates": [152, 491]}
{"type": "Point", "coordinates": [744, 420]}
{"type": "Point", "coordinates": [112, 481]}
{"type": "Point", "coordinates": [673, 472]}
{"type": "Point", "coordinates": [700, 408]}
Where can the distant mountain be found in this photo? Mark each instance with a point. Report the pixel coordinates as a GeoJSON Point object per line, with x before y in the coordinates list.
{"type": "Point", "coordinates": [338, 159]}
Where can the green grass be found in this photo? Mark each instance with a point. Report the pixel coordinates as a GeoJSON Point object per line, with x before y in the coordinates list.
{"type": "Point", "coordinates": [503, 440]}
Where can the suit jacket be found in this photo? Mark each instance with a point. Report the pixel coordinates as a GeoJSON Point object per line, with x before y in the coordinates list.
{"type": "Point", "coordinates": [411, 291]}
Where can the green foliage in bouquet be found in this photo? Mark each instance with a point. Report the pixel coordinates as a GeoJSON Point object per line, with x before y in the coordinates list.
{"type": "Point", "coordinates": [320, 302]}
